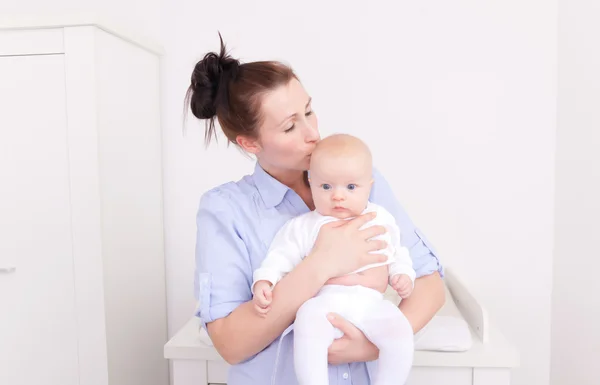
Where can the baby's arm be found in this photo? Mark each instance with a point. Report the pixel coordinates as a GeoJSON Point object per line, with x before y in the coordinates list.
{"type": "Point", "coordinates": [401, 272]}
{"type": "Point", "coordinates": [262, 295]}
{"type": "Point", "coordinates": [283, 255]}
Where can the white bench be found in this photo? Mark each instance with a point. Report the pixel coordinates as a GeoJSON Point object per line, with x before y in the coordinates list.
{"type": "Point", "coordinates": [487, 360]}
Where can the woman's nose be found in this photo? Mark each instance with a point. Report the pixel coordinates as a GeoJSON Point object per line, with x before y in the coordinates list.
{"type": "Point", "coordinates": [312, 134]}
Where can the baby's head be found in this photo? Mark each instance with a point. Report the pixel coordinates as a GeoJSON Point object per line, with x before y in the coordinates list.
{"type": "Point", "coordinates": [341, 175]}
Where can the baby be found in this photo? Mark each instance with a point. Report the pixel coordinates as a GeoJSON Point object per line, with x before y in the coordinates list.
{"type": "Point", "coordinates": [341, 178]}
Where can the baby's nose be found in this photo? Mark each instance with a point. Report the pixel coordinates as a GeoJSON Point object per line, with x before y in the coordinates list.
{"type": "Point", "coordinates": [337, 196]}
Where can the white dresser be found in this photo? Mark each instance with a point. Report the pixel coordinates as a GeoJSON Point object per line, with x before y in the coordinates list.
{"type": "Point", "coordinates": [443, 355]}
{"type": "Point", "coordinates": [82, 282]}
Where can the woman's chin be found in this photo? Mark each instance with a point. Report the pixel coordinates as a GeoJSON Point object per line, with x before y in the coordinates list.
{"type": "Point", "coordinates": [305, 164]}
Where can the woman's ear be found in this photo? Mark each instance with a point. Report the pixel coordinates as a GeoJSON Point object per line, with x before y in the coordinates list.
{"type": "Point", "coordinates": [248, 144]}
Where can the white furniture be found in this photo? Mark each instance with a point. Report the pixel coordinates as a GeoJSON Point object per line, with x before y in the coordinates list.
{"type": "Point", "coordinates": [82, 291]}
{"type": "Point", "coordinates": [488, 360]}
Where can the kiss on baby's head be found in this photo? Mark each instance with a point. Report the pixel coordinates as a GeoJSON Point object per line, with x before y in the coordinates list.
{"type": "Point", "coordinates": [341, 176]}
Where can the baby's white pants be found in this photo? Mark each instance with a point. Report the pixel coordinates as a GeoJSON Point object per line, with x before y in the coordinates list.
{"type": "Point", "coordinates": [379, 319]}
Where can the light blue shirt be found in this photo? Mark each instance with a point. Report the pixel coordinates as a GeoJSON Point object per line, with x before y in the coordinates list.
{"type": "Point", "coordinates": [235, 225]}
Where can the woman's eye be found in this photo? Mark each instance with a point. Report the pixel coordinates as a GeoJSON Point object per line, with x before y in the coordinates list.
{"type": "Point", "coordinates": [326, 186]}
{"type": "Point", "coordinates": [309, 113]}
{"type": "Point", "coordinates": [291, 128]}
{"type": "Point", "coordinates": [351, 186]}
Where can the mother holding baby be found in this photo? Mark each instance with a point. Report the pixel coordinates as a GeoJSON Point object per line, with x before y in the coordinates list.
{"type": "Point", "coordinates": [263, 109]}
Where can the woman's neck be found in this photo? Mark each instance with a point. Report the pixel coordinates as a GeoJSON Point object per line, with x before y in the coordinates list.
{"type": "Point", "coordinates": [295, 180]}
{"type": "Point", "coordinates": [291, 178]}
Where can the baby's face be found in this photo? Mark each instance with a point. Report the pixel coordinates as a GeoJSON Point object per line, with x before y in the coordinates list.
{"type": "Point", "coordinates": [340, 185]}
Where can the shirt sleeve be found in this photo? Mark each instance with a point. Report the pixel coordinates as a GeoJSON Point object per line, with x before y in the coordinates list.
{"type": "Point", "coordinates": [223, 270]}
{"type": "Point", "coordinates": [424, 256]}
{"type": "Point", "coordinates": [285, 252]}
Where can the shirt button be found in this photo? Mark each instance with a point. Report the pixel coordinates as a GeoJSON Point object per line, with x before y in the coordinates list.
{"type": "Point", "coordinates": [345, 376]}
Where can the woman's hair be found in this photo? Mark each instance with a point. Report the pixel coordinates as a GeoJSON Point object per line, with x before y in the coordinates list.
{"type": "Point", "coordinates": [232, 92]}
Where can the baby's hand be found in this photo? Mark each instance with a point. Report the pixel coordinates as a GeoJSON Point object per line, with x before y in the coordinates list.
{"type": "Point", "coordinates": [262, 297]}
{"type": "Point", "coordinates": [402, 284]}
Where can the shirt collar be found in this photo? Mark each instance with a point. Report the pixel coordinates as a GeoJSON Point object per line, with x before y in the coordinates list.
{"type": "Point", "coordinates": [270, 189]}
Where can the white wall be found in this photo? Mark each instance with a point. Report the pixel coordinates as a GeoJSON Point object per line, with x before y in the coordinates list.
{"type": "Point", "coordinates": [457, 100]}
{"type": "Point", "coordinates": [576, 299]}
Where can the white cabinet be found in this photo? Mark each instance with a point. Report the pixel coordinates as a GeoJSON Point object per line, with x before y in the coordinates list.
{"type": "Point", "coordinates": [37, 307]}
{"type": "Point", "coordinates": [82, 291]}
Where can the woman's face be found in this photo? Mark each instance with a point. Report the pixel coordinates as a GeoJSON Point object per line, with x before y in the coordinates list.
{"type": "Point", "coordinates": [289, 131]}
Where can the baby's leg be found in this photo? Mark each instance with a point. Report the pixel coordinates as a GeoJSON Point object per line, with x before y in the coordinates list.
{"type": "Point", "coordinates": [313, 334]}
{"type": "Point", "coordinates": [389, 330]}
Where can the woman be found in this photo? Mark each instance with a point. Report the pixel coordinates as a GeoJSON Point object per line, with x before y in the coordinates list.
{"type": "Point", "coordinates": [263, 108]}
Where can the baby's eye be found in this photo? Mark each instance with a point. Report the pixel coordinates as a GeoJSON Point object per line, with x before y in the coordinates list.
{"type": "Point", "coordinates": [326, 186]}
{"type": "Point", "coordinates": [351, 186]}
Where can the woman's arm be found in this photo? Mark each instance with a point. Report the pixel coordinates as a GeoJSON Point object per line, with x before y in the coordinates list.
{"type": "Point", "coordinates": [340, 248]}
{"type": "Point", "coordinates": [244, 332]}
{"type": "Point", "coordinates": [419, 308]}
{"type": "Point", "coordinates": [428, 294]}
{"type": "Point", "coordinates": [427, 298]}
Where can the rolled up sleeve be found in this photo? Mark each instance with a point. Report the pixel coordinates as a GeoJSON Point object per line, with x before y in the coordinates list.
{"type": "Point", "coordinates": [223, 272]}
{"type": "Point", "coordinates": [424, 256]}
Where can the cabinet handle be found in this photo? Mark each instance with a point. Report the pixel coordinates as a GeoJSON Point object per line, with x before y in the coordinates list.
{"type": "Point", "coordinates": [7, 270]}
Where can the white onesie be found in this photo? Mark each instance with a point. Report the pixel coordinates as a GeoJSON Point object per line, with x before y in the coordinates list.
{"type": "Point", "coordinates": [379, 319]}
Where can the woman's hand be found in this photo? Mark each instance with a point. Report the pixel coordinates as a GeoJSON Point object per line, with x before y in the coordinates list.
{"type": "Point", "coordinates": [353, 346]}
{"type": "Point", "coordinates": [341, 247]}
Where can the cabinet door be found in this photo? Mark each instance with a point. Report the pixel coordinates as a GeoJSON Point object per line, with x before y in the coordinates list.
{"type": "Point", "coordinates": [38, 341]}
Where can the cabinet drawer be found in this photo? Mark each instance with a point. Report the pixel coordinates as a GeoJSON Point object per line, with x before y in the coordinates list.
{"type": "Point", "coordinates": [429, 375]}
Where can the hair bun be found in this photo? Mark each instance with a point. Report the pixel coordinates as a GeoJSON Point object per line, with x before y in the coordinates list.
{"type": "Point", "coordinates": [210, 82]}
